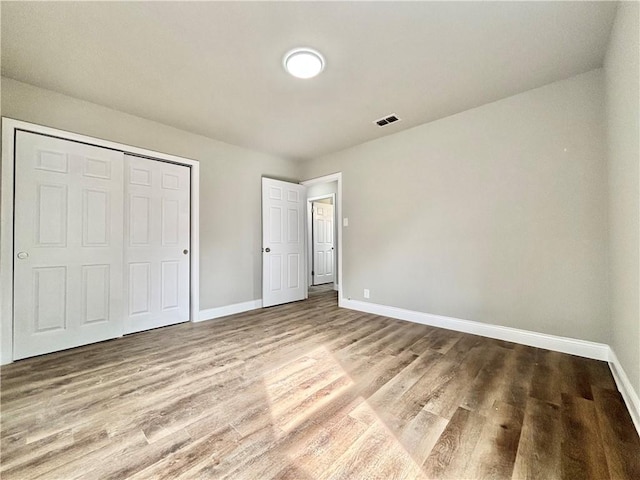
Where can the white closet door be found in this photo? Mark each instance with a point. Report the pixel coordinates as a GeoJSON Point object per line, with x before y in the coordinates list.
{"type": "Point", "coordinates": [323, 258]}
{"type": "Point", "coordinates": [157, 214]}
{"type": "Point", "coordinates": [68, 244]}
{"type": "Point", "coordinates": [283, 257]}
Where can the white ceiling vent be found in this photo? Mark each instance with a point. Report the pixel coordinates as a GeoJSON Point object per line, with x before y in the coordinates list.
{"type": "Point", "coordinates": [384, 121]}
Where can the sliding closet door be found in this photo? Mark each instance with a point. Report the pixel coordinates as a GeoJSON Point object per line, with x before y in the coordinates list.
{"type": "Point", "coordinates": [68, 265]}
{"type": "Point", "coordinates": [157, 226]}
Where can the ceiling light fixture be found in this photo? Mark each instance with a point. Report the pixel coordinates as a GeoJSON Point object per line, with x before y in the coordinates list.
{"type": "Point", "coordinates": [303, 62]}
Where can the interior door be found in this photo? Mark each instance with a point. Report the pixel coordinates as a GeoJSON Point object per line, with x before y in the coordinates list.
{"type": "Point", "coordinates": [157, 242]}
{"type": "Point", "coordinates": [323, 257]}
{"type": "Point", "coordinates": [283, 245]}
{"type": "Point", "coordinates": [68, 244]}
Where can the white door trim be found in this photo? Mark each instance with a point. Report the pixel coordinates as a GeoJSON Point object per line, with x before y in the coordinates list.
{"type": "Point", "coordinates": [310, 201]}
{"type": "Point", "coordinates": [338, 205]}
{"type": "Point", "coordinates": [9, 128]}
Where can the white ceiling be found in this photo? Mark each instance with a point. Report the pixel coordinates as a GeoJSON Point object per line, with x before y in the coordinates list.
{"type": "Point", "coordinates": [216, 68]}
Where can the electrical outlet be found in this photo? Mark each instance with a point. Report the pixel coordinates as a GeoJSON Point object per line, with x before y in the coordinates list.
{"type": "Point", "coordinates": [366, 293]}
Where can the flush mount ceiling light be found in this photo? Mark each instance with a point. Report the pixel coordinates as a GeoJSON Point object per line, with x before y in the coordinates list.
{"type": "Point", "coordinates": [303, 62]}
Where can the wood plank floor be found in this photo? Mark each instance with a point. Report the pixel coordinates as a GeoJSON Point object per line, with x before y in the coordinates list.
{"type": "Point", "coordinates": [310, 391]}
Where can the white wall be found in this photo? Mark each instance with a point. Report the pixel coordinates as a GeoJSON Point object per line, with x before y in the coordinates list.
{"type": "Point", "coordinates": [230, 176]}
{"type": "Point", "coordinates": [497, 214]}
{"type": "Point", "coordinates": [623, 128]}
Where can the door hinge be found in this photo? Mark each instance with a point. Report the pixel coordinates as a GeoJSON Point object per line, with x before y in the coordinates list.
{"type": "Point", "coordinates": [312, 272]}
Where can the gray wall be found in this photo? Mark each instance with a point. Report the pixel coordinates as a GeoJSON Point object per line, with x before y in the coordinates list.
{"type": "Point", "coordinates": [623, 129]}
{"type": "Point", "coordinates": [322, 189]}
{"type": "Point", "coordinates": [230, 182]}
{"type": "Point", "coordinates": [497, 214]}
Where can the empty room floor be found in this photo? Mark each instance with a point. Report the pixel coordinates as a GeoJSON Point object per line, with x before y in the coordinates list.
{"type": "Point", "coordinates": [310, 391]}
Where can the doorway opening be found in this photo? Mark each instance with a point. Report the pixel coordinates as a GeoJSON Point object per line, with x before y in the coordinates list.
{"type": "Point", "coordinates": [321, 242]}
{"type": "Point", "coordinates": [324, 234]}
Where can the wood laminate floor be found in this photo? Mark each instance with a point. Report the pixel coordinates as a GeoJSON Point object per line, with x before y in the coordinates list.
{"type": "Point", "coordinates": [310, 391]}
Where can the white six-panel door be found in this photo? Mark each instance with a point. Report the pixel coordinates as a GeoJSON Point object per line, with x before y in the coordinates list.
{"type": "Point", "coordinates": [157, 213]}
{"type": "Point", "coordinates": [323, 257]}
{"type": "Point", "coordinates": [283, 261]}
{"type": "Point", "coordinates": [68, 244]}
{"type": "Point", "coordinates": [101, 244]}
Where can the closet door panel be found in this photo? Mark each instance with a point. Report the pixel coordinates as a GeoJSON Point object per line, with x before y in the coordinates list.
{"type": "Point", "coordinates": [157, 242]}
{"type": "Point", "coordinates": [68, 241]}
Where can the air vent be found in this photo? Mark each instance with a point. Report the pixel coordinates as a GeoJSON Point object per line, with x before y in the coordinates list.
{"type": "Point", "coordinates": [387, 120]}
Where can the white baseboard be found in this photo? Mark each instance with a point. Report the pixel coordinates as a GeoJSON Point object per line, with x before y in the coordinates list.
{"type": "Point", "coordinates": [582, 348]}
{"type": "Point", "coordinates": [217, 312]}
{"type": "Point", "coordinates": [626, 389]}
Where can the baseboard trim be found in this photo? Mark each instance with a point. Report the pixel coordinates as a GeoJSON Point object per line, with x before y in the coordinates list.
{"type": "Point", "coordinates": [627, 391]}
{"type": "Point", "coordinates": [217, 312]}
{"type": "Point", "coordinates": [573, 346]}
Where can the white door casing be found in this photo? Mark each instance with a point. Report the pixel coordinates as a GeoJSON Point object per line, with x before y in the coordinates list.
{"type": "Point", "coordinates": [157, 243]}
{"type": "Point", "coordinates": [323, 248]}
{"type": "Point", "coordinates": [283, 257]}
{"type": "Point", "coordinates": [68, 244]}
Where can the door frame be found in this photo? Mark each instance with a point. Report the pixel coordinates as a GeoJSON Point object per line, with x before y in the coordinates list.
{"type": "Point", "coordinates": [310, 201]}
{"type": "Point", "coordinates": [7, 169]}
{"type": "Point", "coordinates": [338, 213]}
